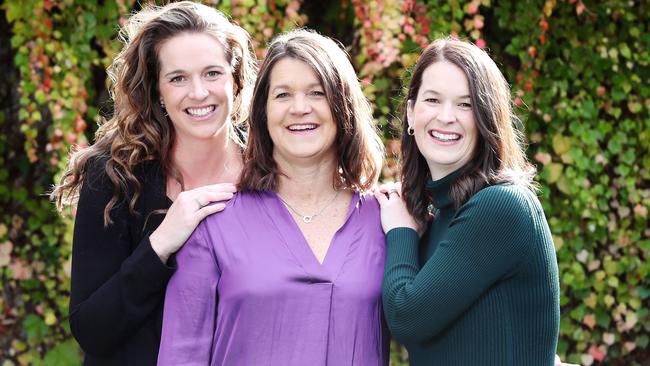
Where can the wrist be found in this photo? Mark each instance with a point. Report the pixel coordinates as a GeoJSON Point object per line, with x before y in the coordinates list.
{"type": "Point", "coordinates": [158, 248]}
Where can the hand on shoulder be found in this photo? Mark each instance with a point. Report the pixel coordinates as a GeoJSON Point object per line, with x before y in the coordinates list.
{"type": "Point", "coordinates": [184, 215]}
{"type": "Point", "coordinates": [394, 213]}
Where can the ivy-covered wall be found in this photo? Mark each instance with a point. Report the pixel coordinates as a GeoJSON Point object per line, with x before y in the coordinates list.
{"type": "Point", "coordinates": [580, 76]}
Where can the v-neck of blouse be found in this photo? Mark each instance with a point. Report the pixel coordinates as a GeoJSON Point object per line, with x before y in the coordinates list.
{"type": "Point", "coordinates": [297, 244]}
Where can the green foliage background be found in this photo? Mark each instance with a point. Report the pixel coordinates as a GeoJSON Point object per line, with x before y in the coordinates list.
{"type": "Point", "coordinates": [580, 75]}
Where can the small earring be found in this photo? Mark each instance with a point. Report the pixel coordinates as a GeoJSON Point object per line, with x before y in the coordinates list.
{"type": "Point", "coordinates": [410, 131]}
{"type": "Point", "coordinates": [162, 105]}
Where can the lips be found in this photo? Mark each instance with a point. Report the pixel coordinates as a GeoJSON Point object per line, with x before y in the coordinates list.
{"type": "Point", "coordinates": [445, 136]}
{"type": "Point", "coordinates": [200, 111]}
{"type": "Point", "coordinates": [301, 127]}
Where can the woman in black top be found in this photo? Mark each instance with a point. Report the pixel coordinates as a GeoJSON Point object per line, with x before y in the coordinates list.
{"type": "Point", "coordinates": [181, 86]}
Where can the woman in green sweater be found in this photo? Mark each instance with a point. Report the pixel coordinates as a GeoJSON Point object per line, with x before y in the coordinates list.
{"type": "Point", "coordinates": [471, 276]}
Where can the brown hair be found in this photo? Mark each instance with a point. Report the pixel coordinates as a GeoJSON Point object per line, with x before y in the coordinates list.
{"type": "Point", "coordinates": [358, 147]}
{"type": "Point", "coordinates": [139, 129]}
{"type": "Point", "coordinates": [499, 155]}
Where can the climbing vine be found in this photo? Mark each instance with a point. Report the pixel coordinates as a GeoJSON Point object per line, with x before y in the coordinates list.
{"type": "Point", "coordinates": [579, 71]}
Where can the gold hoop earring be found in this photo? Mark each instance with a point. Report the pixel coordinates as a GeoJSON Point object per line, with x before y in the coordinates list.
{"type": "Point", "coordinates": [410, 131]}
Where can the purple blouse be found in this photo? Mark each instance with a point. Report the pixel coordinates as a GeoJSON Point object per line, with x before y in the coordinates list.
{"type": "Point", "coordinates": [249, 290]}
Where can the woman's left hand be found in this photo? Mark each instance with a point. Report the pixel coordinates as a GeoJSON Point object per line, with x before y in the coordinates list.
{"type": "Point", "coordinates": [393, 208]}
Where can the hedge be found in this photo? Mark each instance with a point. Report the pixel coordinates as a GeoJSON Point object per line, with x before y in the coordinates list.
{"type": "Point", "coordinates": [580, 77]}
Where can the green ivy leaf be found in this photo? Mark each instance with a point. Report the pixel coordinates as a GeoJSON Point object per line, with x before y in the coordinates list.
{"type": "Point", "coordinates": [35, 328]}
{"type": "Point", "coordinates": [63, 354]}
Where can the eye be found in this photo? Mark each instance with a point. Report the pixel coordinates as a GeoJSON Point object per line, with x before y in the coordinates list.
{"type": "Point", "coordinates": [317, 93]}
{"type": "Point", "coordinates": [465, 105]}
{"type": "Point", "coordinates": [177, 79]}
{"type": "Point", "coordinates": [281, 95]}
{"type": "Point", "coordinates": [432, 100]}
{"type": "Point", "coordinates": [213, 74]}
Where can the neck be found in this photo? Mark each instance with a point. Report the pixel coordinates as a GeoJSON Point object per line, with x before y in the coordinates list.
{"type": "Point", "coordinates": [207, 161]}
{"type": "Point", "coordinates": [307, 182]}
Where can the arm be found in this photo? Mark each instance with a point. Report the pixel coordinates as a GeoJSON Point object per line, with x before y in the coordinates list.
{"type": "Point", "coordinates": [113, 290]}
{"type": "Point", "coordinates": [190, 313]}
{"type": "Point", "coordinates": [484, 242]}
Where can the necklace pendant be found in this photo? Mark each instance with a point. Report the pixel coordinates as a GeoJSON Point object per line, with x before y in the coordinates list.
{"type": "Point", "coordinates": [307, 219]}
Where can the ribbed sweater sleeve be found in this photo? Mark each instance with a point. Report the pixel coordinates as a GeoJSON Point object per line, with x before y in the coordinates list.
{"type": "Point", "coordinates": [484, 242]}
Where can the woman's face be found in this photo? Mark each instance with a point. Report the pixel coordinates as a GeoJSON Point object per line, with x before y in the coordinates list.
{"type": "Point", "coordinates": [442, 117]}
{"type": "Point", "coordinates": [196, 85]}
{"type": "Point", "coordinates": [300, 120]}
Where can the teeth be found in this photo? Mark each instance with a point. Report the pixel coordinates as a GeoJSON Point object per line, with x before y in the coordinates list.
{"type": "Point", "coordinates": [200, 112]}
{"type": "Point", "coordinates": [302, 127]}
{"type": "Point", "coordinates": [445, 136]}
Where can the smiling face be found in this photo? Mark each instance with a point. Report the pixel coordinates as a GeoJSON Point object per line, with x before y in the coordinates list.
{"type": "Point", "coordinates": [443, 120]}
{"type": "Point", "coordinates": [299, 117]}
{"type": "Point", "coordinates": [196, 85]}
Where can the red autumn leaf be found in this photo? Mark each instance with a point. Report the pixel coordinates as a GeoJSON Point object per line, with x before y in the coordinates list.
{"type": "Point", "coordinates": [543, 25]}
{"type": "Point", "coordinates": [598, 353]}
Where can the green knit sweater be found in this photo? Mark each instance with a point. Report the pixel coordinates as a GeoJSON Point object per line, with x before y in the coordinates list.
{"type": "Point", "coordinates": [481, 287]}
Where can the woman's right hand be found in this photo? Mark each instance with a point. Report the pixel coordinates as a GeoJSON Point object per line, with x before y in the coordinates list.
{"type": "Point", "coordinates": [394, 213]}
{"type": "Point", "coordinates": [189, 208]}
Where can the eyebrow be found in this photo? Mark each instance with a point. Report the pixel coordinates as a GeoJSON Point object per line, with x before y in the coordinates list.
{"type": "Point", "coordinates": [285, 86]}
{"type": "Point", "coordinates": [437, 93]}
{"type": "Point", "coordinates": [180, 71]}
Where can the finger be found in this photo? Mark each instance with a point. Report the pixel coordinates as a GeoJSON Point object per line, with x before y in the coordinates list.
{"type": "Point", "coordinates": [214, 197]}
{"type": "Point", "coordinates": [381, 197]}
{"type": "Point", "coordinates": [385, 187]}
{"type": "Point", "coordinates": [209, 210]}
{"type": "Point", "coordinates": [221, 187]}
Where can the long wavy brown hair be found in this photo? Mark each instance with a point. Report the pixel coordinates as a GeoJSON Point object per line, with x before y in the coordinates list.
{"type": "Point", "coordinates": [358, 147]}
{"type": "Point", "coordinates": [499, 155]}
{"type": "Point", "coordinates": [139, 129]}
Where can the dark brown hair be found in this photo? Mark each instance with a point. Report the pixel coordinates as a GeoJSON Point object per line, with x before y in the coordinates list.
{"type": "Point", "coordinates": [358, 147]}
{"type": "Point", "coordinates": [499, 154]}
{"type": "Point", "coordinates": [139, 130]}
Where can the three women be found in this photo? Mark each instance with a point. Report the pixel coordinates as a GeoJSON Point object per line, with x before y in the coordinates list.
{"type": "Point", "coordinates": [293, 267]}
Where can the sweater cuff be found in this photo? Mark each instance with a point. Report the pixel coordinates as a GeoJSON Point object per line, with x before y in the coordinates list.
{"type": "Point", "coordinates": [145, 267]}
{"type": "Point", "coordinates": [402, 245]}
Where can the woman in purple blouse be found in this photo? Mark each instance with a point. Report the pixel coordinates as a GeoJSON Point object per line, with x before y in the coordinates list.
{"type": "Point", "coordinates": [290, 273]}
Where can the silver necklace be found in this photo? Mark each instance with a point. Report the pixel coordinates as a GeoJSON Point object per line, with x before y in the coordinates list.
{"type": "Point", "coordinates": [308, 218]}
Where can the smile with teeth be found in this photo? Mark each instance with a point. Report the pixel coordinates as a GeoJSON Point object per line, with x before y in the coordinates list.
{"type": "Point", "coordinates": [445, 136]}
{"type": "Point", "coordinates": [200, 112]}
{"type": "Point", "coordinates": [303, 127]}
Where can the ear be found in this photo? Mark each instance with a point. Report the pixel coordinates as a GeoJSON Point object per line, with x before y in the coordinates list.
{"type": "Point", "coordinates": [409, 112]}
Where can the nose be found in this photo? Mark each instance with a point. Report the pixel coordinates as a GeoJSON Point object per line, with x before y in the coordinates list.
{"type": "Point", "coordinates": [300, 104]}
{"type": "Point", "coordinates": [198, 91]}
{"type": "Point", "coordinates": [446, 114]}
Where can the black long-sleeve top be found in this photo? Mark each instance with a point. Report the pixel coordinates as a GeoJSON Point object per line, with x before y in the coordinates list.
{"type": "Point", "coordinates": [118, 281]}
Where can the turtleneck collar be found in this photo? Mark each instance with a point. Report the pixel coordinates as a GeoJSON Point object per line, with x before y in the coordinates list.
{"type": "Point", "coordinates": [439, 189]}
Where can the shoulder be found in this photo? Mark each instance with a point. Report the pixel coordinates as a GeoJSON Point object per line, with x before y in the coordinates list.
{"type": "Point", "coordinates": [243, 204]}
{"type": "Point", "coordinates": [243, 200]}
{"type": "Point", "coordinates": [369, 210]}
{"type": "Point", "coordinates": [368, 200]}
{"type": "Point", "coordinates": [95, 177]}
{"type": "Point", "coordinates": [97, 172]}
{"type": "Point", "coordinates": [502, 205]}
{"type": "Point", "coordinates": [367, 205]}
{"type": "Point", "coordinates": [503, 196]}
